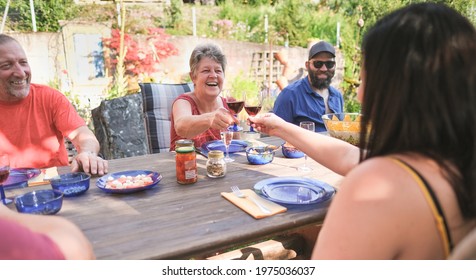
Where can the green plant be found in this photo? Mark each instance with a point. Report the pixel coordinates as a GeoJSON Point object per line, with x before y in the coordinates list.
{"type": "Point", "coordinates": [293, 17]}
{"type": "Point", "coordinates": [173, 13]}
{"type": "Point", "coordinates": [47, 14]}
{"type": "Point", "coordinates": [128, 60]}
{"type": "Point", "coordinates": [291, 22]}
{"type": "Point", "coordinates": [223, 28]}
{"type": "Point", "coordinates": [250, 17]}
{"type": "Point", "coordinates": [242, 84]}
{"type": "Point", "coordinates": [140, 59]}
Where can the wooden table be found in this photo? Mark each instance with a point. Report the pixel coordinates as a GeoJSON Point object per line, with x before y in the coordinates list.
{"type": "Point", "coordinates": [173, 221]}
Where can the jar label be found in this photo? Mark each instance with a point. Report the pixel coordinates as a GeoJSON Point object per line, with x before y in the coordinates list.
{"type": "Point", "coordinates": [190, 174]}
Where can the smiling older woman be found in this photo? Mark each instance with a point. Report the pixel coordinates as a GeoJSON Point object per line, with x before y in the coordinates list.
{"type": "Point", "coordinates": [201, 114]}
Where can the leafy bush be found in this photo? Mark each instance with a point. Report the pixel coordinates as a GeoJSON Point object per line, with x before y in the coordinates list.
{"type": "Point", "coordinates": [47, 14]}
{"type": "Point", "coordinates": [140, 59]}
{"type": "Point", "coordinates": [173, 13]}
{"type": "Point", "coordinates": [291, 22]}
{"type": "Point", "coordinates": [293, 17]}
{"type": "Point", "coordinates": [242, 84]}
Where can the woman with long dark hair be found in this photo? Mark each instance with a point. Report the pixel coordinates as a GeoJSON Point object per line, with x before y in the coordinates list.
{"type": "Point", "coordinates": [410, 188]}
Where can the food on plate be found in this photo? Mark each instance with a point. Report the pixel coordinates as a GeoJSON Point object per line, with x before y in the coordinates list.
{"type": "Point", "coordinates": [288, 145]}
{"type": "Point", "coordinates": [129, 182]}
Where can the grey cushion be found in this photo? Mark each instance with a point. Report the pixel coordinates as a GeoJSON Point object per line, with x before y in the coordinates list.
{"type": "Point", "coordinates": [157, 103]}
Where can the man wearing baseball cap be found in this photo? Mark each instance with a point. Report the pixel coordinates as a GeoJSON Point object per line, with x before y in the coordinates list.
{"type": "Point", "coordinates": [311, 97]}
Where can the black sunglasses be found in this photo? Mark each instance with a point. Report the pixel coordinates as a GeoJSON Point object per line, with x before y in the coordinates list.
{"type": "Point", "coordinates": [318, 64]}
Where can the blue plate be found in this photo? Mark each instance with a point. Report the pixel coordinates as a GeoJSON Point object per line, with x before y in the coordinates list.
{"type": "Point", "coordinates": [284, 190]}
{"type": "Point", "coordinates": [101, 182]}
{"type": "Point", "coordinates": [235, 146]}
{"type": "Point", "coordinates": [19, 177]}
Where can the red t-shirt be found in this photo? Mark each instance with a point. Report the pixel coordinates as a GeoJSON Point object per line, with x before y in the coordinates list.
{"type": "Point", "coordinates": [20, 243]}
{"type": "Point", "coordinates": [32, 130]}
{"type": "Point", "coordinates": [208, 135]}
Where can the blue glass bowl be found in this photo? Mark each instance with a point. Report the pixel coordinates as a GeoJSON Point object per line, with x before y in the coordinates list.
{"type": "Point", "coordinates": [71, 184]}
{"type": "Point", "coordinates": [46, 202]}
{"type": "Point", "coordinates": [291, 152]}
{"type": "Point", "coordinates": [260, 155]}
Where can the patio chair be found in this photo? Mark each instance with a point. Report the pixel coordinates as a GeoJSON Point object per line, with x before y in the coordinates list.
{"type": "Point", "coordinates": [157, 104]}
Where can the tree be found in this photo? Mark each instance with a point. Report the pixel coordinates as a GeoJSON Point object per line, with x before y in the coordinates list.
{"type": "Point", "coordinates": [129, 60]}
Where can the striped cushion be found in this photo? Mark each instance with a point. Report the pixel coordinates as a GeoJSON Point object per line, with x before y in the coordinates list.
{"type": "Point", "coordinates": [157, 104]}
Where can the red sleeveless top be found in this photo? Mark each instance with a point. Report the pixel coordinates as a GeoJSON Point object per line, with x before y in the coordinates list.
{"type": "Point", "coordinates": [208, 135]}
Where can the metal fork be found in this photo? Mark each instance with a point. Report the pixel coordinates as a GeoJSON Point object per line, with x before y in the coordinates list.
{"type": "Point", "coordinates": [239, 194]}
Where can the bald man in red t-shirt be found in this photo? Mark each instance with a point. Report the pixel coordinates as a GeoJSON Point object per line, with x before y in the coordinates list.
{"type": "Point", "coordinates": [34, 119]}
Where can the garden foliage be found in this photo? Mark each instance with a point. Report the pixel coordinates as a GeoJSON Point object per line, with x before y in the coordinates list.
{"type": "Point", "coordinates": [290, 22]}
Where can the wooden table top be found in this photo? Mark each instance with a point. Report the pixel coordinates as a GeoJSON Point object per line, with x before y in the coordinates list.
{"type": "Point", "coordinates": [173, 221]}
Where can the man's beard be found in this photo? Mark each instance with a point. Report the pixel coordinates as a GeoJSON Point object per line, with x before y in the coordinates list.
{"type": "Point", "coordinates": [320, 83]}
{"type": "Point", "coordinates": [16, 92]}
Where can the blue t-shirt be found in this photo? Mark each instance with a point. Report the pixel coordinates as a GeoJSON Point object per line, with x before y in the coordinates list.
{"type": "Point", "coordinates": [298, 102]}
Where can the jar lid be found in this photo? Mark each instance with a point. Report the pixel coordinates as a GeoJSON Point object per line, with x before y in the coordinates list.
{"type": "Point", "coordinates": [183, 143]}
{"type": "Point", "coordinates": [183, 150]}
{"type": "Point", "coordinates": [217, 154]}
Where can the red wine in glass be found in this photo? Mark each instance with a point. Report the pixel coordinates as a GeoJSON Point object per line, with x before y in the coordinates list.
{"type": "Point", "coordinates": [4, 173]}
{"type": "Point", "coordinates": [253, 106]}
{"type": "Point", "coordinates": [235, 107]}
{"type": "Point", "coordinates": [252, 110]}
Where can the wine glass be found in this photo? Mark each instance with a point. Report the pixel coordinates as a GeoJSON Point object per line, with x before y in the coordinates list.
{"type": "Point", "coordinates": [311, 127]}
{"type": "Point", "coordinates": [253, 105]}
{"type": "Point", "coordinates": [226, 137]}
{"type": "Point", "coordinates": [4, 173]}
{"type": "Point", "coordinates": [234, 105]}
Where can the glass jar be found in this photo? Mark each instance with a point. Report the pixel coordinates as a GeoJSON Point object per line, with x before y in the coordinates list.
{"type": "Point", "coordinates": [216, 165]}
{"type": "Point", "coordinates": [185, 162]}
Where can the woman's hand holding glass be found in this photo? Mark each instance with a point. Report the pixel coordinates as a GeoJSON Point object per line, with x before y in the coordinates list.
{"type": "Point", "coordinates": [222, 119]}
{"type": "Point", "coordinates": [267, 123]}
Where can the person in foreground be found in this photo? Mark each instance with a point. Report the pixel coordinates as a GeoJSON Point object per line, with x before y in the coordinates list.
{"type": "Point", "coordinates": [32, 237]}
{"type": "Point", "coordinates": [34, 119]}
{"type": "Point", "coordinates": [409, 191]}
{"type": "Point", "coordinates": [311, 97]}
{"type": "Point", "coordinates": [201, 114]}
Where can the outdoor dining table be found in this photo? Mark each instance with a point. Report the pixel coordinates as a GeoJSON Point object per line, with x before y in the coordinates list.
{"type": "Point", "coordinates": [174, 221]}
